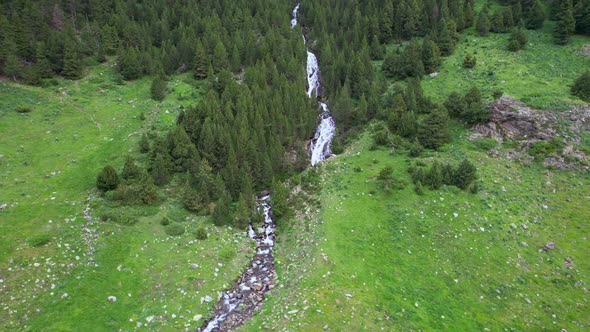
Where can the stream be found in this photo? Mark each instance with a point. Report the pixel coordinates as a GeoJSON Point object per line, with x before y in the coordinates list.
{"type": "Point", "coordinates": [238, 303]}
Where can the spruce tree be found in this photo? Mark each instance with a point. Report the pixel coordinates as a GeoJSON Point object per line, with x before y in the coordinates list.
{"type": "Point", "coordinates": [160, 172]}
{"type": "Point", "coordinates": [433, 130]}
{"type": "Point", "coordinates": [107, 179]}
{"type": "Point", "coordinates": [430, 55]}
{"type": "Point", "coordinates": [158, 88]}
{"type": "Point", "coordinates": [130, 170]}
{"type": "Point", "coordinates": [72, 68]}
{"type": "Point", "coordinates": [222, 214]}
{"type": "Point", "coordinates": [535, 16]}
{"type": "Point", "coordinates": [483, 23]}
{"type": "Point", "coordinates": [581, 87]}
{"type": "Point", "coordinates": [434, 176]}
{"type": "Point", "coordinates": [566, 23]}
{"type": "Point", "coordinates": [201, 62]}
{"type": "Point", "coordinates": [243, 213]}
{"type": "Point", "coordinates": [144, 144]}
{"type": "Point", "coordinates": [465, 174]}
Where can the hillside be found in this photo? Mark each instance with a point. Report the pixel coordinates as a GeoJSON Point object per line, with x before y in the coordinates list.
{"type": "Point", "coordinates": [201, 166]}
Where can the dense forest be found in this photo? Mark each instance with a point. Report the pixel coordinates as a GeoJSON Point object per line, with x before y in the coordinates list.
{"type": "Point", "coordinates": [255, 118]}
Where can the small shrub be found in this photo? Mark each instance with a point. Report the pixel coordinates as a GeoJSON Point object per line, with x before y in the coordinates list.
{"type": "Point", "coordinates": [23, 109]}
{"type": "Point", "coordinates": [485, 144]}
{"type": "Point", "coordinates": [497, 93]}
{"type": "Point", "coordinates": [39, 239]}
{"type": "Point", "coordinates": [201, 234]}
{"type": "Point", "coordinates": [357, 169]}
{"type": "Point", "coordinates": [165, 221]}
{"type": "Point", "coordinates": [540, 149]}
{"type": "Point", "coordinates": [174, 229]}
{"type": "Point", "coordinates": [469, 61]}
{"type": "Point", "coordinates": [227, 254]}
{"type": "Point", "coordinates": [581, 87]}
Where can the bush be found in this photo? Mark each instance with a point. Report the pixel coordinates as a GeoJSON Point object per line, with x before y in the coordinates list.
{"type": "Point", "coordinates": [485, 144]}
{"type": "Point", "coordinates": [201, 234]}
{"type": "Point", "coordinates": [165, 221]}
{"type": "Point", "coordinates": [107, 179]}
{"type": "Point", "coordinates": [23, 109]}
{"type": "Point", "coordinates": [581, 87]}
{"type": "Point", "coordinates": [174, 229]}
{"type": "Point", "coordinates": [497, 93]}
{"type": "Point", "coordinates": [39, 239]}
{"type": "Point", "coordinates": [469, 61]}
{"type": "Point", "coordinates": [540, 149]}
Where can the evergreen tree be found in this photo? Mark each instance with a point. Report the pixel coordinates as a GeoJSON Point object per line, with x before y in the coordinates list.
{"type": "Point", "coordinates": [455, 104]}
{"type": "Point", "coordinates": [144, 144]}
{"type": "Point", "coordinates": [465, 174]}
{"type": "Point", "coordinates": [445, 39]}
{"type": "Point", "coordinates": [433, 130]}
{"type": "Point", "coordinates": [535, 16]}
{"type": "Point", "coordinates": [129, 65]}
{"type": "Point", "coordinates": [497, 22]}
{"type": "Point", "coordinates": [376, 49]}
{"type": "Point", "coordinates": [430, 55]}
{"type": "Point", "coordinates": [483, 23]}
{"type": "Point", "coordinates": [566, 23]}
{"type": "Point", "coordinates": [279, 195]}
{"type": "Point", "coordinates": [107, 179]}
{"type": "Point", "coordinates": [158, 88]}
{"type": "Point", "coordinates": [130, 170]}
{"type": "Point", "coordinates": [201, 62]}
{"type": "Point", "coordinates": [220, 60]}
{"type": "Point", "coordinates": [72, 68]}
{"type": "Point", "coordinates": [581, 87]}
{"type": "Point", "coordinates": [160, 172]}
{"type": "Point", "coordinates": [222, 214]}
{"type": "Point", "coordinates": [386, 180]}
{"type": "Point", "coordinates": [469, 61]}
{"type": "Point", "coordinates": [475, 111]}
{"type": "Point", "coordinates": [243, 213]}
{"type": "Point", "coordinates": [582, 16]}
{"type": "Point", "coordinates": [434, 176]}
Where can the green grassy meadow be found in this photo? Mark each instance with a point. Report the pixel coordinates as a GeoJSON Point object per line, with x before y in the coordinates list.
{"type": "Point", "coordinates": [447, 260]}
{"type": "Point", "coordinates": [50, 158]}
{"type": "Point", "coordinates": [540, 75]}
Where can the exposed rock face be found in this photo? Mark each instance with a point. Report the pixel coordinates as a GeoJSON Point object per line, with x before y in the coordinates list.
{"type": "Point", "coordinates": [513, 120]}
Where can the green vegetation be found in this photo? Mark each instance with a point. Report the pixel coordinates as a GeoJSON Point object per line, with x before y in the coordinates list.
{"type": "Point", "coordinates": [540, 76]}
{"type": "Point", "coordinates": [444, 260]}
{"type": "Point", "coordinates": [581, 87]}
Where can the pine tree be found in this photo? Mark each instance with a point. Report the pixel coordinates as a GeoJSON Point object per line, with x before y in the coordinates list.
{"type": "Point", "coordinates": [497, 22]}
{"type": "Point", "coordinates": [243, 213]}
{"type": "Point", "coordinates": [158, 88]}
{"type": "Point", "coordinates": [144, 144]}
{"type": "Point", "coordinates": [475, 111]}
{"type": "Point", "coordinates": [279, 195]}
{"type": "Point", "coordinates": [376, 49]}
{"type": "Point", "coordinates": [107, 179]}
{"type": "Point", "coordinates": [220, 60]}
{"type": "Point", "coordinates": [222, 214]}
{"type": "Point", "coordinates": [465, 174]}
{"type": "Point", "coordinates": [434, 176]}
{"type": "Point", "coordinates": [483, 23]}
{"type": "Point", "coordinates": [566, 23]}
{"type": "Point", "coordinates": [445, 38]}
{"type": "Point", "coordinates": [72, 65]}
{"type": "Point", "coordinates": [455, 105]}
{"type": "Point", "coordinates": [130, 170]}
{"type": "Point", "coordinates": [433, 130]}
{"type": "Point", "coordinates": [535, 16]}
{"type": "Point", "coordinates": [581, 87]}
{"type": "Point", "coordinates": [128, 64]}
{"type": "Point", "coordinates": [430, 55]}
{"type": "Point", "coordinates": [160, 172]}
{"type": "Point", "coordinates": [386, 180]}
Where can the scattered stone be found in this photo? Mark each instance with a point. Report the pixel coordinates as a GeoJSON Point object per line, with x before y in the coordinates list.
{"type": "Point", "coordinates": [548, 246]}
{"type": "Point", "coordinates": [195, 266]}
{"type": "Point", "coordinates": [112, 299]}
{"type": "Point", "coordinates": [524, 226]}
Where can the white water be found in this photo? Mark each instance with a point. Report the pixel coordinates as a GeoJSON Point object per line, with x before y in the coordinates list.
{"type": "Point", "coordinates": [294, 15]}
{"type": "Point", "coordinates": [313, 74]}
{"type": "Point", "coordinates": [264, 244]}
{"type": "Point", "coordinates": [320, 145]}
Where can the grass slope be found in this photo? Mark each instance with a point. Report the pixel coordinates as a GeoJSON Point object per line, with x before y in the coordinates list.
{"type": "Point", "coordinates": [50, 158]}
{"type": "Point", "coordinates": [540, 75]}
{"type": "Point", "coordinates": [448, 260]}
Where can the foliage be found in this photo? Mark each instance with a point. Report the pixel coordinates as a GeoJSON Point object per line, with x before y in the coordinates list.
{"type": "Point", "coordinates": [581, 86]}
{"type": "Point", "coordinates": [433, 130]}
{"type": "Point", "coordinates": [174, 229]}
{"type": "Point", "coordinates": [39, 239]}
{"type": "Point", "coordinates": [23, 109]}
{"type": "Point", "coordinates": [469, 61]}
{"type": "Point", "coordinates": [201, 233]}
{"type": "Point", "coordinates": [469, 108]}
{"type": "Point", "coordinates": [158, 88]}
{"type": "Point", "coordinates": [107, 179]}
{"type": "Point", "coordinates": [540, 149]}
{"type": "Point", "coordinates": [566, 24]}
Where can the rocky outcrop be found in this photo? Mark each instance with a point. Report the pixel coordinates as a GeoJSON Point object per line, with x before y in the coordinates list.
{"type": "Point", "coordinates": [513, 120]}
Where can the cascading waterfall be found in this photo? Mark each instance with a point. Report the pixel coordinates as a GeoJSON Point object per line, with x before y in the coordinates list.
{"type": "Point", "coordinates": [320, 144]}
{"type": "Point", "coordinates": [238, 303]}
